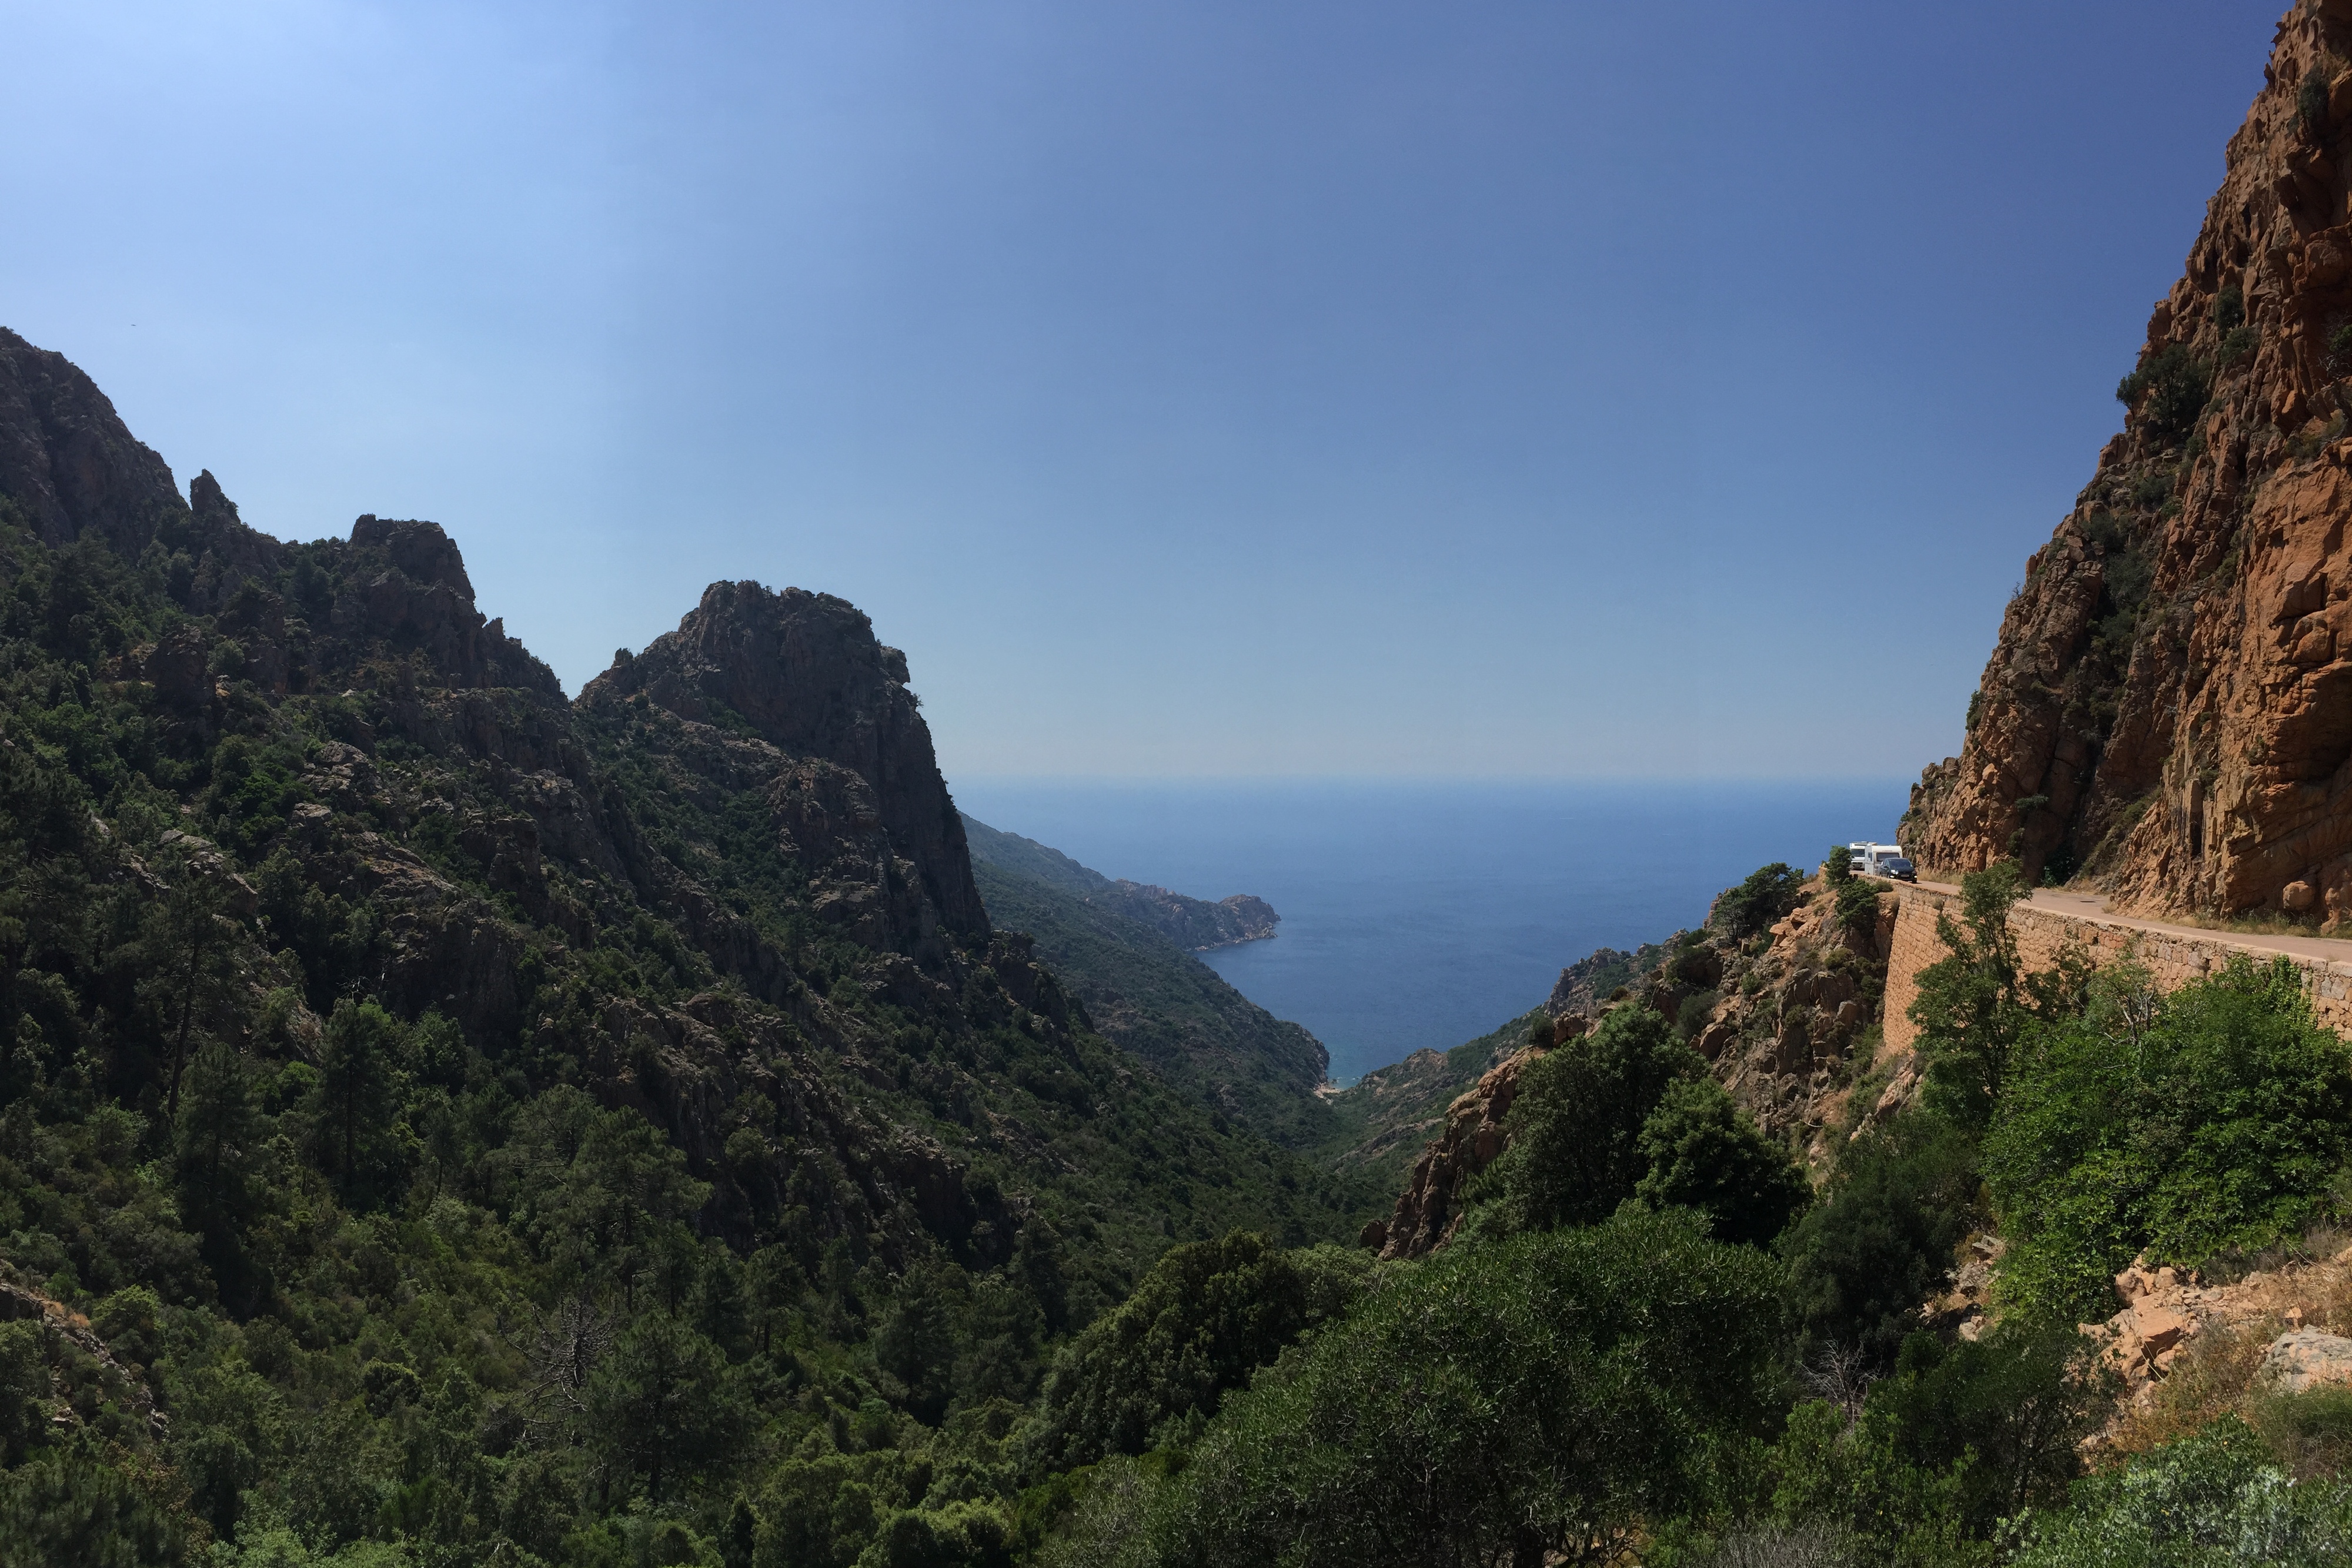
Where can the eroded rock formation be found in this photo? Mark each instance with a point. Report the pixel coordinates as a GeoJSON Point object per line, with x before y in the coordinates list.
{"type": "Point", "coordinates": [1429, 1208]}
{"type": "Point", "coordinates": [853, 784]}
{"type": "Point", "coordinates": [2169, 709]}
{"type": "Point", "coordinates": [1786, 1019]}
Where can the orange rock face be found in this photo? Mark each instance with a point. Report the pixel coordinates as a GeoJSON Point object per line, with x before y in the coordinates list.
{"type": "Point", "coordinates": [2168, 710]}
{"type": "Point", "coordinates": [1429, 1208]}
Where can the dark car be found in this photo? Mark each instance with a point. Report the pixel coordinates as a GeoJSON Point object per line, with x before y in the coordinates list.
{"type": "Point", "coordinates": [1899, 868]}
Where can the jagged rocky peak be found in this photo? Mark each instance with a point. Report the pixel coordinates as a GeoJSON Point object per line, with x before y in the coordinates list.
{"type": "Point", "coordinates": [856, 790]}
{"type": "Point", "coordinates": [67, 462]}
{"type": "Point", "coordinates": [2169, 709]}
{"type": "Point", "coordinates": [410, 591]}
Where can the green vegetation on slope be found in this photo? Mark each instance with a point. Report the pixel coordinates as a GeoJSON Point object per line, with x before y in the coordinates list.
{"type": "Point", "coordinates": [455, 1180]}
{"type": "Point", "coordinates": [1193, 925]}
{"type": "Point", "coordinates": [1154, 998]}
{"type": "Point", "coordinates": [1830, 1425]}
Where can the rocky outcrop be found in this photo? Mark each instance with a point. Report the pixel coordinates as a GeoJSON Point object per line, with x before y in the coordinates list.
{"type": "Point", "coordinates": [1787, 1020]}
{"type": "Point", "coordinates": [862, 799]}
{"type": "Point", "coordinates": [409, 595]}
{"type": "Point", "coordinates": [1601, 977]}
{"type": "Point", "coordinates": [2303, 1359]}
{"type": "Point", "coordinates": [2168, 708]}
{"type": "Point", "coordinates": [66, 461]}
{"type": "Point", "coordinates": [1430, 1209]}
{"type": "Point", "coordinates": [2294, 1312]}
{"type": "Point", "coordinates": [1795, 1020]}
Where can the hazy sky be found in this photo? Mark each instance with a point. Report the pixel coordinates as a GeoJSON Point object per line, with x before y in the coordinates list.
{"type": "Point", "coordinates": [1190, 388]}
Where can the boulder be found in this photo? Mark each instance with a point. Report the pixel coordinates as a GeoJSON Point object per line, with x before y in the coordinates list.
{"type": "Point", "coordinates": [2302, 1359]}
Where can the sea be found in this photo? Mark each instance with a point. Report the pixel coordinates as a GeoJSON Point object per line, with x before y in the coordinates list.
{"type": "Point", "coordinates": [1424, 914]}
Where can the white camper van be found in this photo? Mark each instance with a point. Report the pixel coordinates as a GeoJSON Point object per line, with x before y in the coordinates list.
{"type": "Point", "coordinates": [1870, 860]}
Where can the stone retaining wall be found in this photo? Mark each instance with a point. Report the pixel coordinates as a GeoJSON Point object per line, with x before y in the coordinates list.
{"type": "Point", "coordinates": [2170, 957]}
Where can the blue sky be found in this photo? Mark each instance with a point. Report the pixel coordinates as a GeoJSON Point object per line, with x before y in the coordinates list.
{"type": "Point", "coordinates": [1198, 389]}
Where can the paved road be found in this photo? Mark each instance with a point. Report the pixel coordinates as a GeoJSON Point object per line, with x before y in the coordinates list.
{"type": "Point", "coordinates": [2091, 906]}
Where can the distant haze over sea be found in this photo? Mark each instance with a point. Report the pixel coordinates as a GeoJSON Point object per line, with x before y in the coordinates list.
{"type": "Point", "coordinates": [1426, 914]}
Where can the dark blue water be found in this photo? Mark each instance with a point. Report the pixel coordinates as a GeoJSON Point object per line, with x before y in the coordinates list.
{"type": "Point", "coordinates": [1425, 915]}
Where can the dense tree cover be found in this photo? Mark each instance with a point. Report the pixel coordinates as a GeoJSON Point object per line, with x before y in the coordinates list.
{"type": "Point", "coordinates": [341, 1275]}
{"type": "Point", "coordinates": [1626, 1112]}
{"type": "Point", "coordinates": [1207, 1316]}
{"type": "Point", "coordinates": [1540, 1395]}
{"type": "Point", "coordinates": [367, 1279]}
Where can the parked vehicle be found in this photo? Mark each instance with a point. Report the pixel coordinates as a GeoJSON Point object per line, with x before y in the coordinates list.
{"type": "Point", "coordinates": [1875, 859]}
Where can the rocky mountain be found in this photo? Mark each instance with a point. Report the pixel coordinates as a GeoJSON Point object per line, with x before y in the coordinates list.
{"type": "Point", "coordinates": [2168, 708]}
{"type": "Point", "coordinates": [1150, 994]}
{"type": "Point", "coordinates": [1194, 924]}
{"type": "Point", "coordinates": [356, 985]}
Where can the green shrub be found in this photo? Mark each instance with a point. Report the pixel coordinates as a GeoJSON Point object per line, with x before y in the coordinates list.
{"type": "Point", "coordinates": [1691, 1013]}
{"type": "Point", "coordinates": [1838, 869]}
{"type": "Point", "coordinates": [1957, 1439]}
{"type": "Point", "coordinates": [1707, 1153]}
{"type": "Point", "coordinates": [2212, 1500]}
{"type": "Point", "coordinates": [1880, 1240]}
{"type": "Point", "coordinates": [1575, 1150]}
{"type": "Point", "coordinates": [2310, 105]}
{"type": "Point", "coordinates": [1545, 1394]}
{"type": "Point", "coordinates": [2228, 308]}
{"type": "Point", "coordinates": [1768, 893]}
{"type": "Point", "coordinates": [2210, 1119]}
{"type": "Point", "coordinates": [1974, 1004]}
{"type": "Point", "coordinates": [1857, 905]}
{"type": "Point", "coordinates": [2169, 391]}
{"type": "Point", "coordinates": [1206, 1317]}
{"type": "Point", "coordinates": [2310, 1431]}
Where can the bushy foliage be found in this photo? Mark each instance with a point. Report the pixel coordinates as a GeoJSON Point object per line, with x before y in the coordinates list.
{"type": "Point", "coordinates": [1628, 1112]}
{"type": "Point", "coordinates": [1881, 1240]}
{"type": "Point", "coordinates": [1206, 1317]}
{"type": "Point", "coordinates": [1765, 895]}
{"type": "Point", "coordinates": [2212, 1500]}
{"type": "Point", "coordinates": [2211, 1119]}
{"type": "Point", "coordinates": [1957, 1439]}
{"type": "Point", "coordinates": [1575, 1128]}
{"type": "Point", "coordinates": [1545, 1394]}
{"type": "Point", "coordinates": [2169, 391]}
{"type": "Point", "coordinates": [1857, 905]}
{"type": "Point", "coordinates": [1705, 1154]}
{"type": "Point", "coordinates": [1974, 1004]}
